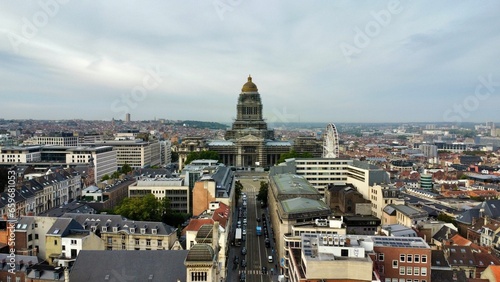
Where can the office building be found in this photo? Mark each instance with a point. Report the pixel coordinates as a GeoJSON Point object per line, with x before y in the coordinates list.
{"type": "Point", "coordinates": [161, 187]}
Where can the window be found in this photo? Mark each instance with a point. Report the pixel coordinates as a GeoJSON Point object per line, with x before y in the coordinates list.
{"type": "Point", "coordinates": [416, 258]}
{"type": "Point", "coordinates": [394, 264]}
{"type": "Point", "coordinates": [381, 257]}
{"type": "Point", "coordinates": [381, 269]}
{"type": "Point", "coordinates": [36, 236]}
{"type": "Point", "coordinates": [409, 258]}
{"type": "Point", "coordinates": [424, 258]}
{"type": "Point", "coordinates": [199, 276]}
{"type": "Point", "coordinates": [110, 241]}
{"type": "Point", "coordinates": [63, 248]}
{"type": "Point", "coordinates": [402, 258]}
{"type": "Point", "coordinates": [408, 270]}
{"type": "Point", "coordinates": [401, 270]}
{"type": "Point", "coordinates": [55, 242]}
{"type": "Point", "coordinates": [73, 242]}
{"type": "Point", "coordinates": [423, 271]}
{"type": "Point", "coordinates": [137, 241]}
{"type": "Point", "coordinates": [416, 270]}
{"type": "Point", "coordinates": [148, 242]}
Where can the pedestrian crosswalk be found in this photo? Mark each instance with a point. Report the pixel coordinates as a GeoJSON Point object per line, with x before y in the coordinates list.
{"type": "Point", "coordinates": [252, 271]}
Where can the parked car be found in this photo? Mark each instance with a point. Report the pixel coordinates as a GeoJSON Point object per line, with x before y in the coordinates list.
{"type": "Point", "coordinates": [244, 251]}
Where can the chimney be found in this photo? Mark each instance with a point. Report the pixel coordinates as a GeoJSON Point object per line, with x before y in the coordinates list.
{"type": "Point", "coordinates": [215, 236]}
{"type": "Point", "coordinates": [66, 274]}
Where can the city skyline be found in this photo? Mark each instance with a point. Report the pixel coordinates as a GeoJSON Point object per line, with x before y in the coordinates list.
{"type": "Point", "coordinates": [391, 61]}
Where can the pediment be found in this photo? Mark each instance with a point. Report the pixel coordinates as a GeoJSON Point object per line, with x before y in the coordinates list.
{"type": "Point", "coordinates": [250, 137]}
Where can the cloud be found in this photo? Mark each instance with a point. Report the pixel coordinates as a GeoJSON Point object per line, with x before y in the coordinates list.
{"type": "Point", "coordinates": [89, 55]}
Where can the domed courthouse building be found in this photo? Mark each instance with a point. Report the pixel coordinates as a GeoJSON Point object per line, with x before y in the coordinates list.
{"type": "Point", "coordinates": [249, 143]}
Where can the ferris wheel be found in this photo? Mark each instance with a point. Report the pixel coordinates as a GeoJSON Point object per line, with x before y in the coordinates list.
{"type": "Point", "coordinates": [331, 142]}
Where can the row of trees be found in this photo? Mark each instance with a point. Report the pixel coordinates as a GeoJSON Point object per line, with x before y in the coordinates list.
{"type": "Point", "coordinates": [148, 208]}
{"type": "Point", "coordinates": [294, 154]}
{"type": "Point", "coordinates": [124, 170]}
{"type": "Point", "coordinates": [203, 155]}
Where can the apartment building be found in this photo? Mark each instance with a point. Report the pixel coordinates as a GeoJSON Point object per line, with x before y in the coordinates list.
{"type": "Point", "coordinates": [405, 215]}
{"type": "Point", "coordinates": [65, 239]}
{"type": "Point", "coordinates": [402, 258]}
{"type": "Point", "coordinates": [383, 195]}
{"type": "Point", "coordinates": [215, 185]}
{"type": "Point", "coordinates": [118, 233]}
{"type": "Point", "coordinates": [39, 194]}
{"type": "Point", "coordinates": [30, 235]}
{"type": "Point", "coordinates": [292, 200]}
{"type": "Point", "coordinates": [329, 258]}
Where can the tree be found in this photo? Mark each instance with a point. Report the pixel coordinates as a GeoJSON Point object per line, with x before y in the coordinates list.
{"type": "Point", "coordinates": [203, 155]}
{"type": "Point", "coordinates": [146, 208]}
{"type": "Point", "coordinates": [446, 218]}
{"type": "Point", "coordinates": [105, 177]}
{"type": "Point", "coordinates": [293, 154]}
{"type": "Point", "coordinates": [238, 188]}
{"type": "Point", "coordinates": [126, 168]}
{"type": "Point", "coordinates": [262, 196]}
{"type": "Point", "coordinates": [175, 157]}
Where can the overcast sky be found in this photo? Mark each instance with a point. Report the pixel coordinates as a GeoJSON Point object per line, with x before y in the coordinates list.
{"type": "Point", "coordinates": [321, 61]}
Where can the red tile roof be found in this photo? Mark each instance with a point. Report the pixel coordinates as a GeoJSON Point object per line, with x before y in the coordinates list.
{"type": "Point", "coordinates": [460, 241]}
{"type": "Point", "coordinates": [196, 223]}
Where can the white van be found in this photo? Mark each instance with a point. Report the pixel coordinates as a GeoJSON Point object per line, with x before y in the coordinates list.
{"type": "Point", "coordinates": [270, 259]}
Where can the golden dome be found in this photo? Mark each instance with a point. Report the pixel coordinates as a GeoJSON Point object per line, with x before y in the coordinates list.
{"type": "Point", "coordinates": [249, 86]}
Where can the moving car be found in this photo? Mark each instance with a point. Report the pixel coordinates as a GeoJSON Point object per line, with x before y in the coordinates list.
{"type": "Point", "coordinates": [270, 259]}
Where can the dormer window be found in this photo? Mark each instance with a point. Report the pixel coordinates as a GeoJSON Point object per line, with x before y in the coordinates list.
{"type": "Point", "coordinates": [132, 230]}
{"type": "Point", "coordinates": [115, 229]}
{"type": "Point", "coordinates": [153, 231]}
{"type": "Point", "coordinates": [104, 229]}
{"type": "Point", "coordinates": [143, 230]}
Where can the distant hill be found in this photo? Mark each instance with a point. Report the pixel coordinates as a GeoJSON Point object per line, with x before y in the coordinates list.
{"type": "Point", "coordinates": [201, 124]}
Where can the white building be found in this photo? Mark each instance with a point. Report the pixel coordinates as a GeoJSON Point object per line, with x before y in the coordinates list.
{"type": "Point", "coordinates": [320, 172]}
{"type": "Point", "coordinates": [103, 158]}
{"type": "Point", "coordinates": [172, 188]}
{"type": "Point", "coordinates": [54, 140]}
{"type": "Point", "coordinates": [20, 154]}
{"type": "Point", "coordinates": [166, 152]}
{"type": "Point", "coordinates": [136, 153]}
